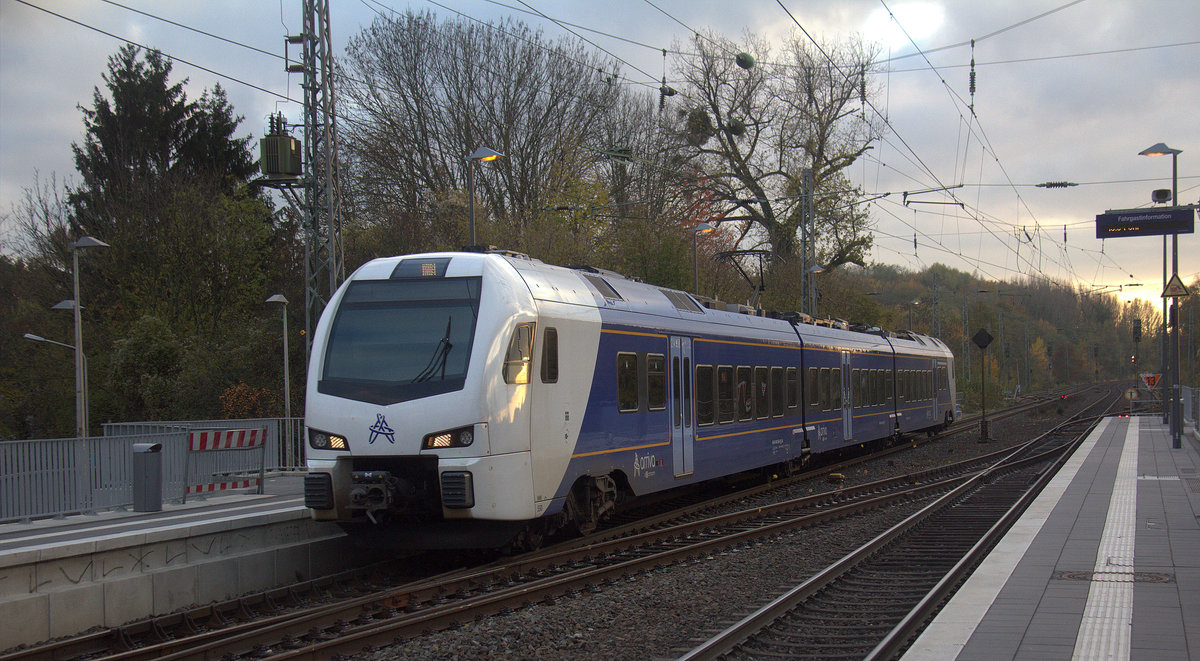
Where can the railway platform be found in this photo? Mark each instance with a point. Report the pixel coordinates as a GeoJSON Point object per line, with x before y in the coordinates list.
{"type": "Point", "coordinates": [62, 576]}
{"type": "Point", "coordinates": [1105, 564]}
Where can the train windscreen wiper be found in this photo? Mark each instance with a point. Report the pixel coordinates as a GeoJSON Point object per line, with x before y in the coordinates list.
{"type": "Point", "coordinates": [438, 360]}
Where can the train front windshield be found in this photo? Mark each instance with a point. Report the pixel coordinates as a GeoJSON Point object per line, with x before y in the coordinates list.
{"type": "Point", "coordinates": [398, 340]}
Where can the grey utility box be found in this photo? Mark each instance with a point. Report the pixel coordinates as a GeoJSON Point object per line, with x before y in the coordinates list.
{"type": "Point", "coordinates": [147, 477]}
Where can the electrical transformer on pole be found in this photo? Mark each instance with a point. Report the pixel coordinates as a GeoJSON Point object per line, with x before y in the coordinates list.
{"type": "Point", "coordinates": [316, 174]}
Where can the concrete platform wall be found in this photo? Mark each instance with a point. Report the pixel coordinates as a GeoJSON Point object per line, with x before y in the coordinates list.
{"type": "Point", "coordinates": [61, 590]}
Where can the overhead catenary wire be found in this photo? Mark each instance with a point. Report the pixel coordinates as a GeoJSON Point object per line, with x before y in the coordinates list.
{"type": "Point", "coordinates": [165, 54]}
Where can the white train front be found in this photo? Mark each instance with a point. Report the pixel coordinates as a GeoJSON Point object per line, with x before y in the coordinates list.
{"type": "Point", "coordinates": [479, 399]}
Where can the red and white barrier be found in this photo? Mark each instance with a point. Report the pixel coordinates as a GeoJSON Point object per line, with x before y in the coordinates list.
{"type": "Point", "coordinates": [225, 440]}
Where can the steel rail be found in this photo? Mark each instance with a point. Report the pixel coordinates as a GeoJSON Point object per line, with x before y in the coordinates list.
{"type": "Point", "coordinates": [736, 635]}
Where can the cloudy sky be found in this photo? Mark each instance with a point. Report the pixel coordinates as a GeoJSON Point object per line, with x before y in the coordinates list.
{"type": "Point", "coordinates": [1067, 90]}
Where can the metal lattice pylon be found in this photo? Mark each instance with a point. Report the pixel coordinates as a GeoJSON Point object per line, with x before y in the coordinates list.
{"type": "Point", "coordinates": [324, 269]}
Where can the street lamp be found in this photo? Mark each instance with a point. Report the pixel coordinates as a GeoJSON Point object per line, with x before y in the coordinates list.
{"type": "Point", "coordinates": [287, 381]}
{"type": "Point", "coordinates": [39, 338]}
{"type": "Point", "coordinates": [1170, 350]}
{"type": "Point", "coordinates": [702, 228]}
{"type": "Point", "coordinates": [81, 412]}
{"type": "Point", "coordinates": [812, 271]}
{"type": "Point", "coordinates": [911, 304]}
{"type": "Point", "coordinates": [479, 155]}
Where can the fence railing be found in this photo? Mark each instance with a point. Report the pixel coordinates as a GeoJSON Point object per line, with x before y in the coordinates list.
{"type": "Point", "coordinates": [51, 477]}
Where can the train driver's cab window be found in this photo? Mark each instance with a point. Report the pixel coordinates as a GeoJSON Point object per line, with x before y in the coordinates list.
{"type": "Point", "coordinates": [550, 355]}
{"type": "Point", "coordinates": [519, 355]}
{"type": "Point", "coordinates": [627, 382]}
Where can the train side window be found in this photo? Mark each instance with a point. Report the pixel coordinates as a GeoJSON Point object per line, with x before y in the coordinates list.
{"type": "Point", "coordinates": [762, 392]}
{"type": "Point", "coordinates": [811, 387]}
{"type": "Point", "coordinates": [726, 403]}
{"type": "Point", "coordinates": [835, 388]}
{"type": "Point", "coordinates": [889, 386]}
{"type": "Point", "coordinates": [777, 392]}
{"type": "Point", "coordinates": [550, 355]}
{"type": "Point", "coordinates": [656, 381]}
{"type": "Point", "coordinates": [627, 382]}
{"type": "Point", "coordinates": [793, 388]}
{"type": "Point", "coordinates": [744, 394]}
{"type": "Point", "coordinates": [868, 386]}
{"type": "Point", "coordinates": [519, 354]}
{"type": "Point", "coordinates": [706, 413]}
{"type": "Point", "coordinates": [823, 388]}
{"type": "Point", "coordinates": [856, 389]}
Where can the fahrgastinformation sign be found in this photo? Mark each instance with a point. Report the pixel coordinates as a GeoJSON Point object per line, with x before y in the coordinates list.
{"type": "Point", "coordinates": [1146, 222]}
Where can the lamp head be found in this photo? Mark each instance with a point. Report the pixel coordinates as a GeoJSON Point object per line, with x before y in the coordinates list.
{"type": "Point", "coordinates": [277, 298]}
{"type": "Point", "coordinates": [88, 242]}
{"type": "Point", "coordinates": [1159, 149]}
{"type": "Point", "coordinates": [485, 154]}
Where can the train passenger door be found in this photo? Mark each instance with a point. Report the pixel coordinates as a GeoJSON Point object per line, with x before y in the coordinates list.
{"type": "Point", "coordinates": [847, 398]}
{"type": "Point", "coordinates": [683, 431]}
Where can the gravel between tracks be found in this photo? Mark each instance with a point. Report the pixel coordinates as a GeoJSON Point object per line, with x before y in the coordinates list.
{"type": "Point", "coordinates": [661, 613]}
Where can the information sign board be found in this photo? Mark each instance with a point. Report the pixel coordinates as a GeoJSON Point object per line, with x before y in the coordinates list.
{"type": "Point", "coordinates": [1146, 222]}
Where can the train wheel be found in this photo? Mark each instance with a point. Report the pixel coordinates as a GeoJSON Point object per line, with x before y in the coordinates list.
{"type": "Point", "coordinates": [592, 500]}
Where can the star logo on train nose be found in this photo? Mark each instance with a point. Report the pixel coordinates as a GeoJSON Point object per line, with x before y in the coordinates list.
{"type": "Point", "coordinates": [381, 428]}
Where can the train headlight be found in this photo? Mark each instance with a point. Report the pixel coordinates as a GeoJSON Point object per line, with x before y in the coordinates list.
{"type": "Point", "coordinates": [455, 438]}
{"type": "Point", "coordinates": [320, 440]}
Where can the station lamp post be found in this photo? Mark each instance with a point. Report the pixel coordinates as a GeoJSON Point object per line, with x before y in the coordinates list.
{"type": "Point", "coordinates": [81, 409]}
{"type": "Point", "coordinates": [912, 304]}
{"type": "Point", "coordinates": [287, 380]}
{"type": "Point", "coordinates": [1170, 352]}
{"type": "Point", "coordinates": [479, 155]}
{"type": "Point", "coordinates": [702, 228]}
{"type": "Point", "coordinates": [812, 272]}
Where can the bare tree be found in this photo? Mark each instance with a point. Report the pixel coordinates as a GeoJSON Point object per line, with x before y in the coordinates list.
{"type": "Point", "coordinates": [750, 133]}
{"type": "Point", "coordinates": [419, 95]}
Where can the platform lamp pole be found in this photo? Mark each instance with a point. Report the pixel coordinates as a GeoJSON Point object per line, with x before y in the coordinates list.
{"type": "Point", "coordinates": [702, 228]}
{"type": "Point", "coordinates": [1171, 410]}
{"type": "Point", "coordinates": [81, 407]}
{"type": "Point", "coordinates": [479, 155]}
{"type": "Point", "coordinates": [287, 380]}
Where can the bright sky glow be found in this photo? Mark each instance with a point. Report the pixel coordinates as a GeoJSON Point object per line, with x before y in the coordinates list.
{"type": "Point", "coordinates": [919, 19]}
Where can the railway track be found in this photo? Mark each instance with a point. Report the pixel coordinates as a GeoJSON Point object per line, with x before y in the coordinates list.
{"type": "Point", "coordinates": [298, 623]}
{"type": "Point", "coordinates": [872, 602]}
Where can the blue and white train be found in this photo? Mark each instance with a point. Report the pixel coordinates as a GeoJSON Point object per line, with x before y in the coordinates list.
{"type": "Point", "coordinates": [482, 399]}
